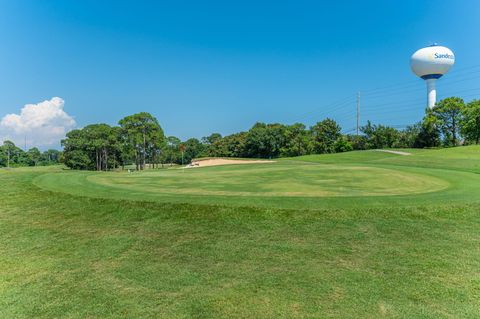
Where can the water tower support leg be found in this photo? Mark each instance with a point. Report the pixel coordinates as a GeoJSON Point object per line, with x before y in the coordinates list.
{"type": "Point", "coordinates": [431, 93]}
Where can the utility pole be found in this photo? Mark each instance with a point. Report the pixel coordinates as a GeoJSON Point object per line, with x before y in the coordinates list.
{"type": "Point", "coordinates": [25, 149]}
{"type": "Point", "coordinates": [358, 113]}
{"type": "Point", "coordinates": [8, 157]}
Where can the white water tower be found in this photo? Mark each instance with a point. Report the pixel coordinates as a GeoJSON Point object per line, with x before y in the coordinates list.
{"type": "Point", "coordinates": [431, 63]}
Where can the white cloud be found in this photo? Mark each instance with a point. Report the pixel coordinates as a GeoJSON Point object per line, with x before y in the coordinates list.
{"type": "Point", "coordinates": [43, 124]}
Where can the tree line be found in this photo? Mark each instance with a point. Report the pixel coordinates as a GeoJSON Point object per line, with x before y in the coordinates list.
{"type": "Point", "coordinates": [13, 156]}
{"type": "Point", "coordinates": [139, 140]}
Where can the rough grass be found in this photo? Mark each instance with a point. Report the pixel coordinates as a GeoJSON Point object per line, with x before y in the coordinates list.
{"type": "Point", "coordinates": [69, 256]}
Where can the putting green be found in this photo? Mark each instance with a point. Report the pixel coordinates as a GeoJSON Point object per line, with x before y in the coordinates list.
{"type": "Point", "coordinates": [275, 180]}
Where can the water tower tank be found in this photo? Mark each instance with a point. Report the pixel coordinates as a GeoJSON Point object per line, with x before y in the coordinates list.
{"type": "Point", "coordinates": [430, 64]}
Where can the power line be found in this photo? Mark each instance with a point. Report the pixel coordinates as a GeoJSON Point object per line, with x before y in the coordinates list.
{"type": "Point", "coordinates": [349, 131]}
{"type": "Point", "coordinates": [456, 72]}
{"type": "Point", "coordinates": [415, 87]}
{"type": "Point", "coordinates": [401, 103]}
{"type": "Point", "coordinates": [343, 104]}
{"type": "Point", "coordinates": [330, 107]}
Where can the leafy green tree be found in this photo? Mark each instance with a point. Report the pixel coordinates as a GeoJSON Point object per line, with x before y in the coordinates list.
{"type": "Point", "coordinates": [470, 122]}
{"type": "Point", "coordinates": [6, 153]}
{"type": "Point", "coordinates": [3, 156]}
{"type": "Point", "coordinates": [297, 140]}
{"type": "Point", "coordinates": [97, 142]}
{"type": "Point", "coordinates": [358, 142]}
{"type": "Point", "coordinates": [236, 144]}
{"type": "Point", "coordinates": [342, 144]}
{"type": "Point", "coordinates": [449, 114]}
{"type": "Point", "coordinates": [380, 136]}
{"type": "Point", "coordinates": [408, 136]}
{"type": "Point", "coordinates": [76, 150]}
{"type": "Point", "coordinates": [171, 151]}
{"type": "Point", "coordinates": [13, 156]}
{"type": "Point", "coordinates": [429, 133]}
{"type": "Point", "coordinates": [143, 134]}
{"type": "Point", "coordinates": [34, 155]}
{"type": "Point", "coordinates": [193, 149]}
{"type": "Point", "coordinates": [212, 138]}
{"type": "Point", "coordinates": [50, 157]}
{"type": "Point", "coordinates": [116, 148]}
{"type": "Point", "coordinates": [231, 145]}
{"type": "Point", "coordinates": [77, 159]}
{"type": "Point", "coordinates": [265, 140]}
{"type": "Point", "coordinates": [212, 144]}
{"type": "Point", "coordinates": [218, 148]}
{"type": "Point", "coordinates": [325, 133]}
{"type": "Point", "coordinates": [125, 149]}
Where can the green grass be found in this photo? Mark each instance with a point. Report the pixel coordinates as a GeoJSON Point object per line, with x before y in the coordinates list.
{"type": "Point", "coordinates": [354, 235]}
{"type": "Point", "coordinates": [355, 179]}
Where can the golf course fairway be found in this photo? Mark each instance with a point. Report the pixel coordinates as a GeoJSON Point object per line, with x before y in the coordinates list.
{"type": "Point", "coordinates": [363, 234]}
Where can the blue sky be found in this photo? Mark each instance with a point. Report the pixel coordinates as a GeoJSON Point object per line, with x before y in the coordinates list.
{"type": "Point", "coordinates": [219, 66]}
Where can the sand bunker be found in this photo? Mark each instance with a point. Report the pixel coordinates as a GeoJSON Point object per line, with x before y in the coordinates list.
{"type": "Point", "coordinates": [224, 161]}
{"type": "Point", "coordinates": [394, 152]}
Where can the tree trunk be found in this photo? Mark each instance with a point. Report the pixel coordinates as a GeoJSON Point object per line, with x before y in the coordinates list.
{"type": "Point", "coordinates": [144, 149]}
{"type": "Point", "coordinates": [478, 130]}
{"type": "Point", "coordinates": [454, 135]}
{"type": "Point", "coordinates": [136, 159]}
{"type": "Point", "coordinates": [106, 159]}
{"type": "Point", "coordinates": [96, 160]}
